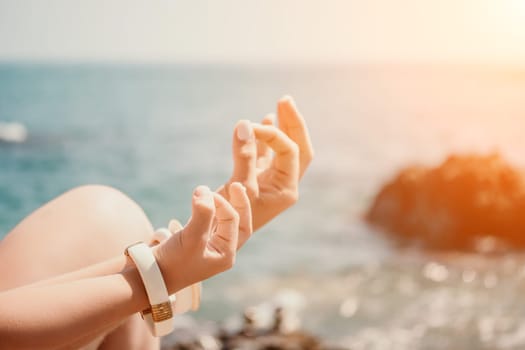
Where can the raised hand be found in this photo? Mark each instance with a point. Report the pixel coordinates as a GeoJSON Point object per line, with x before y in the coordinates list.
{"type": "Point", "coordinates": [207, 244]}
{"type": "Point", "coordinates": [271, 180]}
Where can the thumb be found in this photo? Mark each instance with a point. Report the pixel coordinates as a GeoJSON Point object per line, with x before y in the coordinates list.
{"type": "Point", "coordinates": [245, 156]}
{"type": "Point", "coordinates": [202, 215]}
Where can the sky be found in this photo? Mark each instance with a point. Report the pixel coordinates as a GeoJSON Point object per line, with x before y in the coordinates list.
{"type": "Point", "coordinates": [471, 31]}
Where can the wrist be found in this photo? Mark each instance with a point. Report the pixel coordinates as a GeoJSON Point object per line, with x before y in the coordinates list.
{"type": "Point", "coordinates": [187, 298]}
{"type": "Point", "coordinates": [165, 269]}
{"type": "Point", "coordinates": [140, 297]}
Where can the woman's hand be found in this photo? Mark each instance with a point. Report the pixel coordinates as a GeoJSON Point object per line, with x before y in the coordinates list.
{"type": "Point", "coordinates": [271, 180]}
{"type": "Point", "coordinates": [207, 244]}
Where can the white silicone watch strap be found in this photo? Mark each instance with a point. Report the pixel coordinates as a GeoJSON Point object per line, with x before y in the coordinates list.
{"type": "Point", "coordinates": [155, 287]}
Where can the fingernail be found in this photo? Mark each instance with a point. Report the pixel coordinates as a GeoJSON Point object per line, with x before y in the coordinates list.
{"type": "Point", "coordinates": [269, 118]}
{"type": "Point", "coordinates": [244, 131]}
{"type": "Point", "coordinates": [287, 99]}
{"type": "Point", "coordinates": [201, 191]}
{"type": "Point", "coordinates": [240, 185]}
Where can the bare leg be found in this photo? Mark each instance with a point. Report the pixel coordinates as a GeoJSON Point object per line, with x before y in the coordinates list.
{"type": "Point", "coordinates": [79, 228]}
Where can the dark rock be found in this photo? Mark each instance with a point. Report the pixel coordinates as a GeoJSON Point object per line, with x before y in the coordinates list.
{"type": "Point", "coordinates": [274, 341]}
{"type": "Point", "coordinates": [455, 205]}
{"type": "Point", "coordinates": [281, 334]}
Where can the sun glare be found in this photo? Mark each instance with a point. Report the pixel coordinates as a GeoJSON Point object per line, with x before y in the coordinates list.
{"type": "Point", "coordinates": [519, 5]}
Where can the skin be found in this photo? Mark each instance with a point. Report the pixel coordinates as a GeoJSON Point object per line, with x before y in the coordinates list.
{"type": "Point", "coordinates": [64, 318]}
{"type": "Point", "coordinates": [69, 299]}
{"type": "Point", "coordinates": [272, 182]}
{"type": "Point", "coordinates": [96, 221]}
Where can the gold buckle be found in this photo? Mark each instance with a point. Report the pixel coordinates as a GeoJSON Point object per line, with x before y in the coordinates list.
{"type": "Point", "coordinates": [159, 312]}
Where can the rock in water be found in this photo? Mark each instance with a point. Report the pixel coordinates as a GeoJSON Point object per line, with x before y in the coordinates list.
{"type": "Point", "coordinates": [456, 205]}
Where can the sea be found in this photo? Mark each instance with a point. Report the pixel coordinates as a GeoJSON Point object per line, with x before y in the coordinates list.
{"type": "Point", "coordinates": [157, 131]}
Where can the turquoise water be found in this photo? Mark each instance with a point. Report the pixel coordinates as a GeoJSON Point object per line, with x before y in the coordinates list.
{"type": "Point", "coordinates": [156, 132]}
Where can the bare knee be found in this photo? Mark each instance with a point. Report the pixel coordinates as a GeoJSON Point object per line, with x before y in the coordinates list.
{"type": "Point", "coordinates": [111, 216]}
{"type": "Point", "coordinates": [83, 226]}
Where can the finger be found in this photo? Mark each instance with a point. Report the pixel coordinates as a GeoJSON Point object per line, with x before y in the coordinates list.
{"type": "Point", "coordinates": [224, 239]}
{"type": "Point", "coordinates": [245, 156]}
{"type": "Point", "coordinates": [222, 191]}
{"type": "Point", "coordinates": [268, 119]}
{"type": "Point", "coordinates": [262, 148]}
{"type": "Point", "coordinates": [286, 160]}
{"type": "Point", "coordinates": [294, 125]}
{"type": "Point", "coordinates": [203, 212]}
{"type": "Point", "coordinates": [160, 235]}
{"type": "Point", "coordinates": [241, 203]}
{"type": "Point", "coordinates": [264, 152]}
{"type": "Point", "coordinates": [174, 226]}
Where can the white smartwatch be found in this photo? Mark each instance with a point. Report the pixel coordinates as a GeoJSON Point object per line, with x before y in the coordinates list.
{"type": "Point", "coordinates": [161, 313]}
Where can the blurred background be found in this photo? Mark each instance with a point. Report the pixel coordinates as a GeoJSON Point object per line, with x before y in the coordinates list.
{"type": "Point", "coordinates": [143, 96]}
